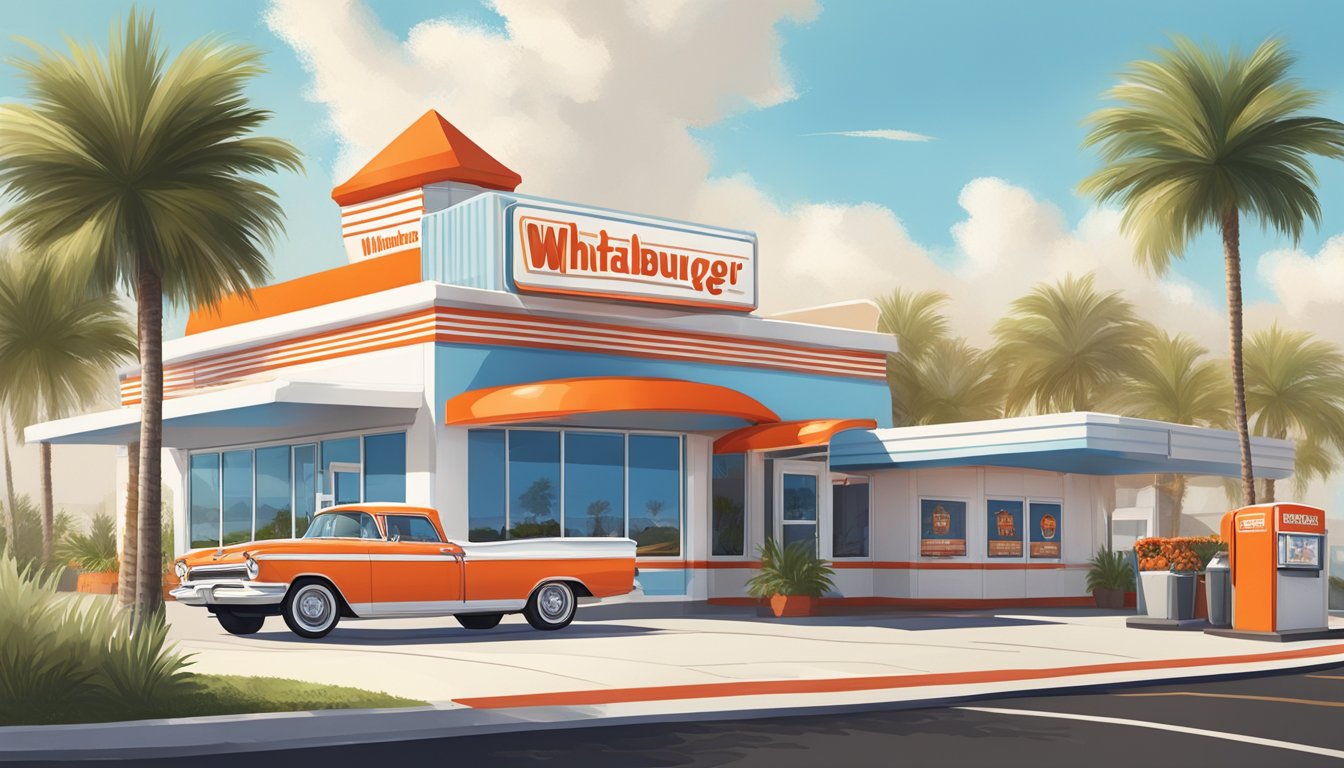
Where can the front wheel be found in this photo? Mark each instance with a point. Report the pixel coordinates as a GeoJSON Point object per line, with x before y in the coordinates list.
{"type": "Point", "coordinates": [239, 625]}
{"type": "Point", "coordinates": [551, 606]}
{"type": "Point", "coordinates": [479, 620]}
{"type": "Point", "coordinates": [311, 610]}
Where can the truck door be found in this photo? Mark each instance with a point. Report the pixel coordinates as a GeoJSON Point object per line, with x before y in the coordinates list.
{"type": "Point", "coordinates": [414, 570]}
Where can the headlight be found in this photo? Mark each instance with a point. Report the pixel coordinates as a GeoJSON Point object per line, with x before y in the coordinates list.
{"type": "Point", "coordinates": [253, 567]}
{"type": "Point", "coordinates": [181, 569]}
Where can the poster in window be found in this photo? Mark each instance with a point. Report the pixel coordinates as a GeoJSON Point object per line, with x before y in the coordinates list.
{"type": "Point", "coordinates": [942, 526]}
{"type": "Point", "coordinates": [1004, 528]}
{"type": "Point", "coordinates": [1045, 529]}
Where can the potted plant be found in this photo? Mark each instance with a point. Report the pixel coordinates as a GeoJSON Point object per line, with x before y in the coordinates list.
{"type": "Point", "coordinates": [1109, 577]}
{"type": "Point", "coordinates": [95, 555]}
{"type": "Point", "coordinates": [792, 578]}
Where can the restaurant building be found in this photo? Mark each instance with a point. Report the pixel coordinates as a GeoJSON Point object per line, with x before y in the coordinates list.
{"type": "Point", "coordinates": [531, 367]}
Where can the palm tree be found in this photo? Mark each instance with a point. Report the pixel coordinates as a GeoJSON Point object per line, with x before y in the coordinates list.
{"type": "Point", "coordinates": [1199, 138]}
{"type": "Point", "coordinates": [1295, 389]}
{"type": "Point", "coordinates": [1176, 383]}
{"type": "Point", "coordinates": [1066, 346]}
{"type": "Point", "coordinates": [58, 345]}
{"type": "Point", "coordinates": [139, 171]}
{"type": "Point", "coordinates": [954, 381]}
{"type": "Point", "coordinates": [917, 322]}
{"type": "Point", "coordinates": [11, 499]}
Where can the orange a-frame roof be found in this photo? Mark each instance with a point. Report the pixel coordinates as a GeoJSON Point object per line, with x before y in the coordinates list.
{"type": "Point", "coordinates": [430, 150]}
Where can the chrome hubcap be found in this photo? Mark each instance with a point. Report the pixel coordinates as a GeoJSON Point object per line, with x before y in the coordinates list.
{"type": "Point", "coordinates": [554, 602]}
{"type": "Point", "coordinates": [315, 608]}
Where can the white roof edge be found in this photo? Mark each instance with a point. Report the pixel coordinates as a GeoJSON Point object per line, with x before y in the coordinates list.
{"type": "Point", "coordinates": [394, 301]}
{"type": "Point", "coordinates": [1071, 418]}
{"type": "Point", "coordinates": [260, 393]}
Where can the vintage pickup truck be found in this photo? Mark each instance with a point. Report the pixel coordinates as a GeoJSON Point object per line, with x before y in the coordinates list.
{"type": "Point", "coordinates": [388, 560]}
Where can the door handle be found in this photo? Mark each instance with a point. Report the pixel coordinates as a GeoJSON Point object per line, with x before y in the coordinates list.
{"type": "Point", "coordinates": [447, 551]}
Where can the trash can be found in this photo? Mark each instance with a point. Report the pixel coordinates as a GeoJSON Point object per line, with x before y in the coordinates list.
{"type": "Point", "coordinates": [1182, 599]}
{"type": "Point", "coordinates": [1218, 590]}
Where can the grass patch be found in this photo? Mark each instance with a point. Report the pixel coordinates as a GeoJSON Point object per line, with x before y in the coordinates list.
{"type": "Point", "coordinates": [203, 695]}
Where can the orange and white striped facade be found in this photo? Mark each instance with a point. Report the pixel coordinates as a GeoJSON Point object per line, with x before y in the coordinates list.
{"type": "Point", "coordinates": [497, 327]}
{"type": "Point", "coordinates": [382, 226]}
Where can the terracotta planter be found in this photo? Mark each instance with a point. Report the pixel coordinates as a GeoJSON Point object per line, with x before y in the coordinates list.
{"type": "Point", "coordinates": [1109, 599]}
{"type": "Point", "coordinates": [793, 605]}
{"type": "Point", "coordinates": [1131, 600]}
{"type": "Point", "coordinates": [170, 583]}
{"type": "Point", "coordinates": [97, 583]}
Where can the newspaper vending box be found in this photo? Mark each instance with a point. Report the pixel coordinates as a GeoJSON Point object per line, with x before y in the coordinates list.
{"type": "Point", "coordinates": [1277, 559]}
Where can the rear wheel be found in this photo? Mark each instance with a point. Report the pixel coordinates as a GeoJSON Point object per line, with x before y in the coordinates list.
{"type": "Point", "coordinates": [239, 625]}
{"type": "Point", "coordinates": [311, 609]}
{"type": "Point", "coordinates": [479, 620]}
{"type": "Point", "coordinates": [551, 606]}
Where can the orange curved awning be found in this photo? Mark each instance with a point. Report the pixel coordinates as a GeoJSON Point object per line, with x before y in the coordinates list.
{"type": "Point", "coordinates": [565, 399]}
{"type": "Point", "coordinates": [787, 434]}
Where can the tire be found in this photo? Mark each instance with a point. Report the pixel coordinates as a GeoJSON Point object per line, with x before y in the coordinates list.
{"type": "Point", "coordinates": [311, 609]}
{"type": "Point", "coordinates": [239, 625]}
{"type": "Point", "coordinates": [551, 606]}
{"type": "Point", "coordinates": [479, 620]}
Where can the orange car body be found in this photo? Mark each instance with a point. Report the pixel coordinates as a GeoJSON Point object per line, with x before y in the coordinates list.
{"type": "Point", "coordinates": [389, 576]}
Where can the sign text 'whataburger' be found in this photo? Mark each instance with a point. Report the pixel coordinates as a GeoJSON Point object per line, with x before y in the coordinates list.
{"type": "Point", "coordinates": [575, 251]}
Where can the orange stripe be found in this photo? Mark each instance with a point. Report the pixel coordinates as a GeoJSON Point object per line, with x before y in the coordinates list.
{"type": "Point", "coordinates": [879, 565]}
{"type": "Point", "coordinates": [380, 228]}
{"type": "Point", "coordinates": [883, 682]}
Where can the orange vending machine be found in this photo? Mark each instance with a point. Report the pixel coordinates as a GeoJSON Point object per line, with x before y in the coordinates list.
{"type": "Point", "coordinates": [1277, 558]}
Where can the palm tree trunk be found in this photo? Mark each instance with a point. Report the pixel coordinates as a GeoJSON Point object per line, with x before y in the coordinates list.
{"type": "Point", "coordinates": [1178, 485]}
{"type": "Point", "coordinates": [130, 531]}
{"type": "Point", "coordinates": [149, 575]}
{"type": "Point", "coordinates": [1269, 491]}
{"type": "Point", "coordinates": [11, 503]}
{"type": "Point", "coordinates": [48, 514]}
{"type": "Point", "coordinates": [1231, 228]}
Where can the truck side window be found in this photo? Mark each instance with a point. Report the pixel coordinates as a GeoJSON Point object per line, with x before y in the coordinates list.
{"type": "Point", "coordinates": [413, 528]}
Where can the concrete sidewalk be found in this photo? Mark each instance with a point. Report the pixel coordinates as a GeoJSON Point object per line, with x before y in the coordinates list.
{"type": "Point", "coordinates": [624, 663]}
{"type": "Point", "coordinates": [639, 646]}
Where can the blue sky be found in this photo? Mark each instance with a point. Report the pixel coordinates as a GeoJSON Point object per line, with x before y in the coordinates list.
{"type": "Point", "coordinates": [1001, 87]}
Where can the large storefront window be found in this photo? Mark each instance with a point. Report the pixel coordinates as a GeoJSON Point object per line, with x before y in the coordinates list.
{"type": "Point", "coordinates": [237, 497]}
{"type": "Point", "coordinates": [729, 505]}
{"type": "Point", "coordinates": [594, 484]}
{"type": "Point", "coordinates": [204, 500]}
{"type": "Point", "coordinates": [534, 484]}
{"type": "Point", "coordinates": [272, 491]}
{"type": "Point", "coordinates": [583, 483]}
{"type": "Point", "coordinates": [385, 467]}
{"type": "Point", "coordinates": [274, 497]}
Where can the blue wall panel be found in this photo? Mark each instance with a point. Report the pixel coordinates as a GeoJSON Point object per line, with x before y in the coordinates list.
{"type": "Point", "coordinates": [460, 245]}
{"type": "Point", "coordinates": [461, 368]}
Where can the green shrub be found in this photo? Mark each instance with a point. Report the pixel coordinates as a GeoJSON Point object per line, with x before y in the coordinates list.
{"type": "Point", "coordinates": [60, 652]}
{"type": "Point", "coordinates": [1110, 570]}
{"type": "Point", "coordinates": [95, 551]}
{"type": "Point", "coordinates": [794, 570]}
{"type": "Point", "coordinates": [28, 541]}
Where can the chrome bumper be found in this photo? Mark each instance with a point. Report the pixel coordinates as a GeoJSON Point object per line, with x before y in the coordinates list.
{"type": "Point", "coordinates": [230, 593]}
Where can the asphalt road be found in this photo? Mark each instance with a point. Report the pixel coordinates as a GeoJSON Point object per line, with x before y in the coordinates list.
{"type": "Point", "coordinates": [1304, 709]}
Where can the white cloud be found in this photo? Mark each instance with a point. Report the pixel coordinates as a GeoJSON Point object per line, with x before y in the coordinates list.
{"type": "Point", "coordinates": [1309, 289]}
{"type": "Point", "coordinates": [890, 134]}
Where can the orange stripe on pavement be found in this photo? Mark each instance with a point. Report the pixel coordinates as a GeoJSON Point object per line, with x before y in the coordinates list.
{"type": "Point", "coordinates": [850, 684]}
{"type": "Point", "coordinates": [1242, 696]}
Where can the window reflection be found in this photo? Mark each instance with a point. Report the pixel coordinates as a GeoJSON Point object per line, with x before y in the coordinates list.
{"type": "Point", "coordinates": [385, 467]}
{"type": "Point", "coordinates": [655, 494]}
{"type": "Point", "coordinates": [204, 500]}
{"type": "Point", "coordinates": [729, 504]}
{"type": "Point", "coordinates": [849, 513]}
{"type": "Point", "coordinates": [274, 494]}
{"type": "Point", "coordinates": [485, 485]}
{"type": "Point", "coordinates": [305, 487]}
{"type": "Point", "coordinates": [594, 484]}
{"type": "Point", "coordinates": [534, 484]}
{"type": "Point", "coordinates": [237, 497]}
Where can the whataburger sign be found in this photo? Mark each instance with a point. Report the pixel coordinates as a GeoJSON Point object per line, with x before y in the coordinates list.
{"type": "Point", "coordinates": [570, 250]}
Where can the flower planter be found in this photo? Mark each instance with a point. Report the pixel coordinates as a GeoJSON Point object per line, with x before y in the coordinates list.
{"type": "Point", "coordinates": [1109, 599]}
{"type": "Point", "coordinates": [97, 583]}
{"type": "Point", "coordinates": [1131, 600]}
{"type": "Point", "coordinates": [793, 605]}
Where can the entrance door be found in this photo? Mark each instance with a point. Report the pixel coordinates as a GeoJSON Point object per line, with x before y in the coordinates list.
{"type": "Point", "coordinates": [799, 502]}
{"type": "Point", "coordinates": [342, 484]}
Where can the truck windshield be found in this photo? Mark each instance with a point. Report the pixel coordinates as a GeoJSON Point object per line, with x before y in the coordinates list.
{"type": "Point", "coordinates": [343, 525]}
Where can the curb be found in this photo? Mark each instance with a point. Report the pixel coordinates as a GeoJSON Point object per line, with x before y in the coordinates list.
{"type": "Point", "coordinates": [234, 734]}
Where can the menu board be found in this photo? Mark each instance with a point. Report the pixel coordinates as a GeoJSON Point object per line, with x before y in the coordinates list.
{"type": "Point", "coordinates": [942, 528]}
{"type": "Point", "coordinates": [1004, 528]}
{"type": "Point", "coordinates": [1045, 529]}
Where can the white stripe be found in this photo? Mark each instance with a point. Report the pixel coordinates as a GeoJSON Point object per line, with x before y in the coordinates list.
{"type": "Point", "coordinates": [360, 558]}
{"type": "Point", "coordinates": [412, 205]}
{"type": "Point", "coordinates": [1275, 743]}
{"type": "Point", "coordinates": [414, 194]}
{"type": "Point", "coordinates": [382, 225]}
